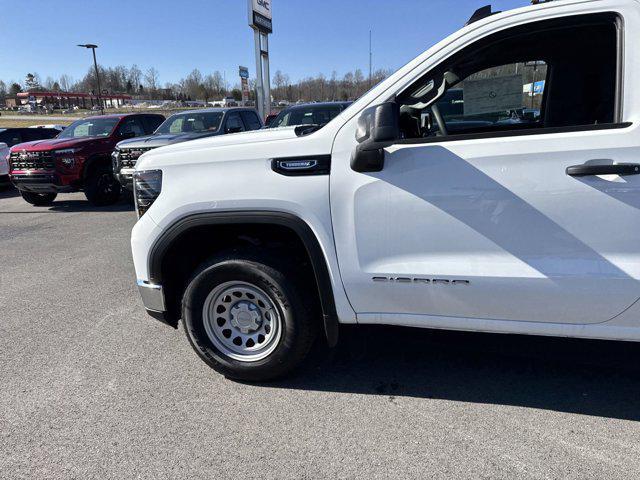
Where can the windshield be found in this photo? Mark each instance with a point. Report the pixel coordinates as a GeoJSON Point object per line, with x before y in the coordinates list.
{"type": "Point", "coordinates": [93, 127]}
{"type": "Point", "coordinates": [306, 116]}
{"type": "Point", "coordinates": [191, 122]}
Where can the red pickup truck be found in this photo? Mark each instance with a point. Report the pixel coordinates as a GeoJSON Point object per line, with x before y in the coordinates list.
{"type": "Point", "coordinates": [79, 158]}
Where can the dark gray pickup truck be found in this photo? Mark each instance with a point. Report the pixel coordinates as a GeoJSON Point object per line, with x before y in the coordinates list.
{"type": "Point", "coordinates": [181, 127]}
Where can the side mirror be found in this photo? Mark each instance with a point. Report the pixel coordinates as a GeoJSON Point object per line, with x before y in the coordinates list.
{"type": "Point", "coordinates": [378, 127]}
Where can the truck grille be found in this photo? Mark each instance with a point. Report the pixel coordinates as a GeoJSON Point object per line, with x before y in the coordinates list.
{"type": "Point", "coordinates": [129, 156]}
{"type": "Point", "coordinates": [32, 161]}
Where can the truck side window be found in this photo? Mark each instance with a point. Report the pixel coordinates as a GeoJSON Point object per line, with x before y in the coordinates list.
{"type": "Point", "coordinates": [152, 122]}
{"type": "Point", "coordinates": [555, 73]}
{"type": "Point", "coordinates": [234, 123]}
{"type": "Point", "coordinates": [505, 95]}
{"type": "Point", "coordinates": [132, 125]}
{"type": "Point", "coordinates": [251, 120]}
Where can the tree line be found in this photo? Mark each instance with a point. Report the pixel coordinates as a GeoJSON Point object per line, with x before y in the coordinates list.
{"type": "Point", "coordinates": [198, 86]}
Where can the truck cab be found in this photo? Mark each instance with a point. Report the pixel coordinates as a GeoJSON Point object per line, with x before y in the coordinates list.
{"type": "Point", "coordinates": [517, 211]}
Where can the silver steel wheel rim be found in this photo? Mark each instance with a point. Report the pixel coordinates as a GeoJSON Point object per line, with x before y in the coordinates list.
{"type": "Point", "coordinates": [241, 321]}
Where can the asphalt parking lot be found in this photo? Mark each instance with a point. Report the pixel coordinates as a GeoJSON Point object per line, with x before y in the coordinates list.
{"type": "Point", "coordinates": [90, 387]}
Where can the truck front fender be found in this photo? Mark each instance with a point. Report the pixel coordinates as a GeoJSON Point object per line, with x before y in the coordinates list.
{"type": "Point", "coordinates": [292, 222]}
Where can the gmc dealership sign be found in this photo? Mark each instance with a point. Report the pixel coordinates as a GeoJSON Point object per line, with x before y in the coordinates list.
{"type": "Point", "coordinates": [260, 15]}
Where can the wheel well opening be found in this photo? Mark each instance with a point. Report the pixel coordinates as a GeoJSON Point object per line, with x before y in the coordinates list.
{"type": "Point", "coordinates": [93, 163]}
{"type": "Point", "coordinates": [196, 245]}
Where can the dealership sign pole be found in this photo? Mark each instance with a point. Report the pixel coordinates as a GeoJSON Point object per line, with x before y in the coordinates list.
{"type": "Point", "coordinates": [260, 19]}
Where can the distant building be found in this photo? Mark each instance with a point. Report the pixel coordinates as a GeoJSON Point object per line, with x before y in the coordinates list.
{"type": "Point", "coordinates": [11, 102]}
{"type": "Point", "coordinates": [69, 100]}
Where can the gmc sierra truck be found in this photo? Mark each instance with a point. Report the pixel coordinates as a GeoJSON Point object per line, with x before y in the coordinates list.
{"type": "Point", "coordinates": [403, 212]}
{"type": "Point", "coordinates": [79, 158]}
{"type": "Point", "coordinates": [181, 127]}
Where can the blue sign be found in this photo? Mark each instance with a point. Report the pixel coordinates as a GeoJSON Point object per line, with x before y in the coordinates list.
{"type": "Point", "coordinates": [538, 87]}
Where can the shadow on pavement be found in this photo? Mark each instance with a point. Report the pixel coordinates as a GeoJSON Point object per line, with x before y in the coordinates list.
{"type": "Point", "coordinates": [74, 205]}
{"type": "Point", "coordinates": [586, 377]}
{"type": "Point", "coordinates": [122, 205]}
{"type": "Point", "coordinates": [8, 192]}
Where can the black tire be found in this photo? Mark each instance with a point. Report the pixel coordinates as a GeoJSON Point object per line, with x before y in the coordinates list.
{"type": "Point", "coordinates": [287, 291]}
{"type": "Point", "coordinates": [101, 187]}
{"type": "Point", "coordinates": [38, 199]}
{"type": "Point", "coordinates": [4, 183]}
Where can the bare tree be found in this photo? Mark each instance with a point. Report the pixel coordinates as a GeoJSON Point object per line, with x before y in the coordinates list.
{"type": "Point", "coordinates": [48, 83]}
{"type": "Point", "coordinates": [278, 80]}
{"type": "Point", "coordinates": [192, 84]}
{"type": "Point", "coordinates": [210, 86]}
{"type": "Point", "coordinates": [135, 76]}
{"type": "Point", "coordinates": [151, 81]}
{"type": "Point", "coordinates": [65, 82]}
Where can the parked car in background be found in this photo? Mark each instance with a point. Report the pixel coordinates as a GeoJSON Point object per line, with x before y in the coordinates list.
{"type": "Point", "coordinates": [308, 114]}
{"type": "Point", "coordinates": [54, 126]}
{"type": "Point", "coordinates": [182, 127]}
{"type": "Point", "coordinates": [4, 165]}
{"type": "Point", "coordinates": [13, 136]}
{"type": "Point", "coordinates": [78, 159]}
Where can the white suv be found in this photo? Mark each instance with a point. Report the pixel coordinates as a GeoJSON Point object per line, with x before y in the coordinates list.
{"type": "Point", "coordinates": [489, 185]}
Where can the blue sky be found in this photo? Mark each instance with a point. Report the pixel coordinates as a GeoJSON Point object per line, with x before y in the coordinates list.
{"type": "Point", "coordinates": [176, 36]}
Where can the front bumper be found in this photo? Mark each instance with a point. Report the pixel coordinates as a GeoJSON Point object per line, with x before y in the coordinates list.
{"type": "Point", "coordinates": [152, 296]}
{"type": "Point", "coordinates": [144, 234]}
{"type": "Point", "coordinates": [44, 182]}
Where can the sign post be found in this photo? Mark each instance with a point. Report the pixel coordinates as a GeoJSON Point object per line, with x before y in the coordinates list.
{"type": "Point", "coordinates": [244, 81]}
{"type": "Point", "coordinates": [260, 20]}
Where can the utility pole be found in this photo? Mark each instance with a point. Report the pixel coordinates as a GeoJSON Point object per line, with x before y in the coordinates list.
{"type": "Point", "coordinates": [95, 64]}
{"type": "Point", "coordinates": [370, 62]}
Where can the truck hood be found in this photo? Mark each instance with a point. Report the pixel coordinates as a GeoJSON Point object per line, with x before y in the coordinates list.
{"type": "Point", "coordinates": [56, 144]}
{"type": "Point", "coordinates": [229, 139]}
{"type": "Point", "coordinates": [152, 141]}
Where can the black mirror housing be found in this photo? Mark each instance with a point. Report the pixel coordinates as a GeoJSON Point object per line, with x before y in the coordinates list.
{"type": "Point", "coordinates": [378, 127]}
{"type": "Point", "coordinates": [385, 126]}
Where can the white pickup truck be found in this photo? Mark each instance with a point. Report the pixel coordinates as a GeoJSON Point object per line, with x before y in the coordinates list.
{"type": "Point", "coordinates": [514, 208]}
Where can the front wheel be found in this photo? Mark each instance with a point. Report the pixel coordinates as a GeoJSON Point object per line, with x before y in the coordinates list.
{"type": "Point", "coordinates": [102, 188]}
{"type": "Point", "coordinates": [248, 318]}
{"type": "Point", "coordinates": [38, 199]}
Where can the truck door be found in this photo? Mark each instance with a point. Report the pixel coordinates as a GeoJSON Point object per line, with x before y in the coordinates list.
{"type": "Point", "coordinates": [522, 202]}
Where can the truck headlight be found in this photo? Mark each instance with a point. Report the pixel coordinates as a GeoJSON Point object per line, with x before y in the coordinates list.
{"type": "Point", "coordinates": [147, 185]}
